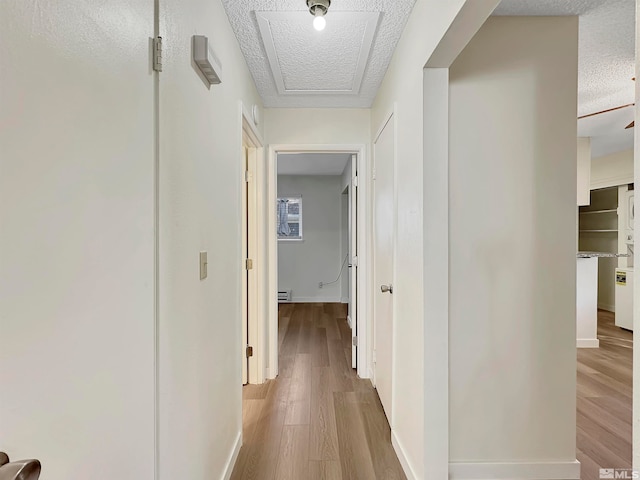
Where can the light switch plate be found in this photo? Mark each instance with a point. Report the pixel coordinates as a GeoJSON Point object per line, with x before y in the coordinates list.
{"type": "Point", "coordinates": [203, 265]}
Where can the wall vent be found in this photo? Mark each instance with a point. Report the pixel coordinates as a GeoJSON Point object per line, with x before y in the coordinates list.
{"type": "Point", "coordinates": [284, 296]}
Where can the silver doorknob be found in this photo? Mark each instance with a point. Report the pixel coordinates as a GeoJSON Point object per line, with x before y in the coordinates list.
{"type": "Point", "coordinates": [386, 288]}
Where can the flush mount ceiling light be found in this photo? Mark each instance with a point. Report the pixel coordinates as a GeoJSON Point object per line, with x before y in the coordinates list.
{"type": "Point", "coordinates": [319, 8]}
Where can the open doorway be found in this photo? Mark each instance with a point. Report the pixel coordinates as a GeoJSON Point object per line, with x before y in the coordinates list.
{"type": "Point", "coordinates": [340, 280]}
{"type": "Point", "coordinates": [317, 418]}
{"type": "Point", "coordinates": [316, 227]}
{"type": "Point", "coordinates": [605, 324]}
{"type": "Point", "coordinates": [319, 403]}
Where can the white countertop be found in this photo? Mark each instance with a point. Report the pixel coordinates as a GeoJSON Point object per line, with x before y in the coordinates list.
{"type": "Point", "coordinates": [600, 255]}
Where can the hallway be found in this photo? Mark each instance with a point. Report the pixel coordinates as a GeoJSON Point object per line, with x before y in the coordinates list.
{"type": "Point", "coordinates": [317, 420]}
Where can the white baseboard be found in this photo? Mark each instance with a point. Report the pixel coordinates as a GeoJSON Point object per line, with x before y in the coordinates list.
{"type": "Point", "coordinates": [511, 471]}
{"type": "Point", "coordinates": [232, 459]}
{"type": "Point", "coordinates": [315, 300]}
{"type": "Point", "coordinates": [606, 306]}
{"type": "Point", "coordinates": [588, 343]}
{"type": "Point", "coordinates": [404, 461]}
{"type": "Point", "coordinates": [344, 300]}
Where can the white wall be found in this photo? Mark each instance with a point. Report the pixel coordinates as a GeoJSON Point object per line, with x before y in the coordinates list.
{"type": "Point", "coordinates": [200, 191]}
{"type": "Point", "coordinates": [584, 170]}
{"type": "Point", "coordinates": [317, 126]}
{"type": "Point", "coordinates": [76, 237]}
{"type": "Point", "coordinates": [612, 170]}
{"type": "Point", "coordinates": [403, 88]}
{"type": "Point", "coordinates": [512, 245]}
{"type": "Point", "coordinates": [302, 265]}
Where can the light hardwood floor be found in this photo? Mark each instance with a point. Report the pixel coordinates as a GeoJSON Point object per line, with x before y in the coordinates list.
{"type": "Point", "coordinates": [317, 420]}
{"type": "Point", "coordinates": [604, 400]}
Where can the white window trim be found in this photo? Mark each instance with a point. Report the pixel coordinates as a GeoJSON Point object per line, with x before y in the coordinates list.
{"type": "Point", "coordinates": [301, 215]}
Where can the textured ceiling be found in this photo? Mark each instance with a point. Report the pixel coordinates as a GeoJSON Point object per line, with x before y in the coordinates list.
{"type": "Point", "coordinates": [322, 69]}
{"type": "Point", "coordinates": [312, 163]}
{"type": "Point", "coordinates": [304, 61]}
{"type": "Point", "coordinates": [335, 59]}
{"type": "Point", "coordinates": [606, 64]}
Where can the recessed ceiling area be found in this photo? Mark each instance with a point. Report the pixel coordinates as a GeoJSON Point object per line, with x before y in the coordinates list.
{"type": "Point", "coordinates": [312, 163]}
{"type": "Point", "coordinates": [606, 64]}
{"type": "Point", "coordinates": [304, 61]}
{"type": "Point", "coordinates": [294, 65]}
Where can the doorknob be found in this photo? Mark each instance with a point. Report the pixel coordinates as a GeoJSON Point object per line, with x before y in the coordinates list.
{"type": "Point", "coordinates": [386, 288]}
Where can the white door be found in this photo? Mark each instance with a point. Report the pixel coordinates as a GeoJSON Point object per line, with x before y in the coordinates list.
{"type": "Point", "coordinates": [249, 277]}
{"type": "Point", "coordinates": [384, 226]}
{"type": "Point", "coordinates": [353, 258]}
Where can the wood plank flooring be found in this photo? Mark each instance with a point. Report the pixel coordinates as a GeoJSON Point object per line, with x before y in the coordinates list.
{"type": "Point", "coordinates": [317, 420]}
{"type": "Point", "coordinates": [604, 400]}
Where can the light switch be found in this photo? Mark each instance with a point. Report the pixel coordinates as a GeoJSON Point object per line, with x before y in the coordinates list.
{"type": "Point", "coordinates": [203, 265]}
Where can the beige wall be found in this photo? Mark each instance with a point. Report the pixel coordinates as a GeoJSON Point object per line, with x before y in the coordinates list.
{"type": "Point", "coordinates": [512, 245]}
{"type": "Point", "coordinates": [402, 89]}
{"type": "Point", "coordinates": [201, 175]}
{"type": "Point", "coordinates": [612, 170]}
{"type": "Point", "coordinates": [76, 237]}
{"type": "Point", "coordinates": [317, 126]}
{"type": "Point", "coordinates": [78, 336]}
{"type": "Point", "coordinates": [584, 170]}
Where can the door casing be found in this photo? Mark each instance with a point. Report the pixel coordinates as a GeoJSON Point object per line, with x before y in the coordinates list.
{"type": "Point", "coordinates": [252, 232]}
{"type": "Point", "coordinates": [364, 237]}
{"type": "Point", "coordinates": [353, 258]}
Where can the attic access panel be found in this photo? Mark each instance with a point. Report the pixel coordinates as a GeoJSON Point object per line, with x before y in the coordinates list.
{"type": "Point", "coordinates": [305, 61]}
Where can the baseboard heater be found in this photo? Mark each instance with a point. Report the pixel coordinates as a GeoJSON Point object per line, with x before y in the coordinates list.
{"type": "Point", "coordinates": [284, 296]}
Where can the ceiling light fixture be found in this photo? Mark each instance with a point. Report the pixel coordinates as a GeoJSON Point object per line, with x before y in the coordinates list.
{"type": "Point", "coordinates": [319, 8]}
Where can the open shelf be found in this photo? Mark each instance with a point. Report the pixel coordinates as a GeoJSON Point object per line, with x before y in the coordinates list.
{"type": "Point", "coordinates": [592, 212]}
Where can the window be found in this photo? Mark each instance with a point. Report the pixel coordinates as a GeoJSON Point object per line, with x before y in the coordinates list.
{"type": "Point", "coordinates": [289, 218]}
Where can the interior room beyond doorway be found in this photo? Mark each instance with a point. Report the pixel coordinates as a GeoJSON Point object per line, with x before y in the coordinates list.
{"type": "Point", "coordinates": [316, 229]}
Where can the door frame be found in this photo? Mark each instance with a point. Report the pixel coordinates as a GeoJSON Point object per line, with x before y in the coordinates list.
{"type": "Point", "coordinates": [253, 289]}
{"type": "Point", "coordinates": [435, 178]}
{"type": "Point", "coordinates": [364, 280]}
{"type": "Point", "coordinates": [636, 287]}
{"type": "Point", "coordinates": [391, 116]}
{"type": "Point", "coordinates": [352, 247]}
